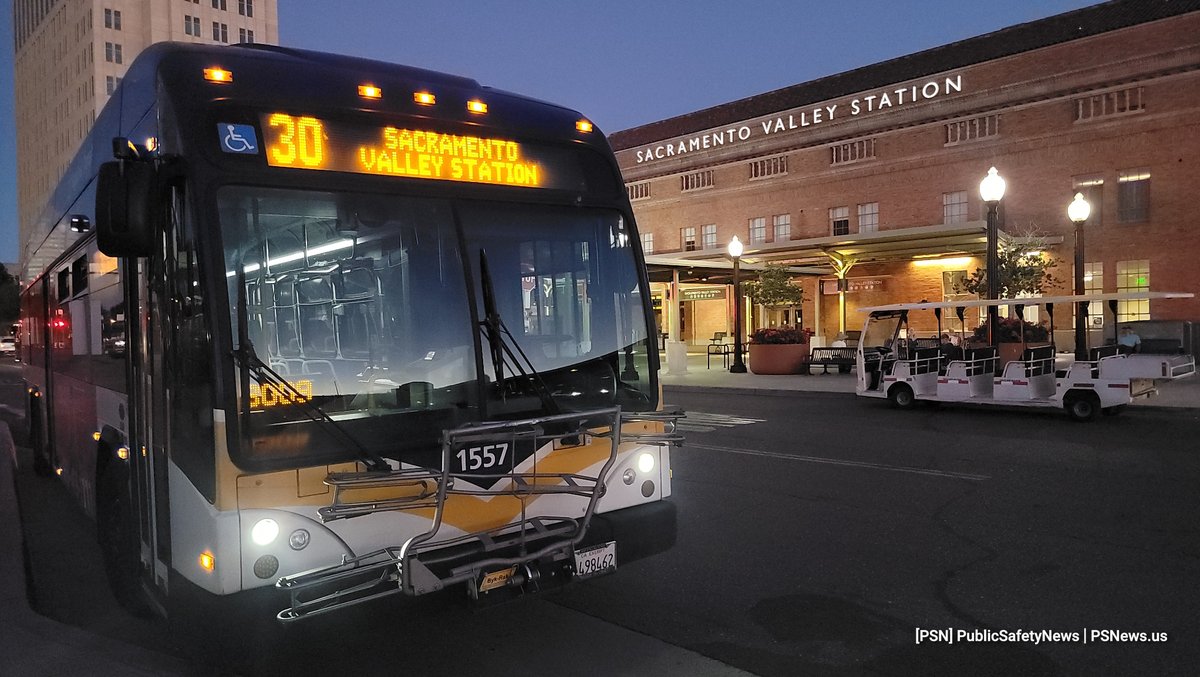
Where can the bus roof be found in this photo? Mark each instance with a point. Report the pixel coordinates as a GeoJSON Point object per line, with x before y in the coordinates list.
{"type": "Point", "coordinates": [1030, 301]}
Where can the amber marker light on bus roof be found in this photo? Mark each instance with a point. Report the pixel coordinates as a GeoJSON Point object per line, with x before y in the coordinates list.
{"type": "Point", "coordinates": [370, 92]}
{"type": "Point", "coordinates": [123, 453]}
{"type": "Point", "coordinates": [476, 106]}
{"type": "Point", "coordinates": [207, 562]}
{"type": "Point", "coordinates": [96, 436]}
{"type": "Point", "coordinates": [584, 126]}
{"type": "Point", "coordinates": [424, 98]}
{"type": "Point", "coordinates": [218, 75]}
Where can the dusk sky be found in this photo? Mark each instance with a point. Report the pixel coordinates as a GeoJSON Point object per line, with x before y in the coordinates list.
{"type": "Point", "coordinates": [623, 63]}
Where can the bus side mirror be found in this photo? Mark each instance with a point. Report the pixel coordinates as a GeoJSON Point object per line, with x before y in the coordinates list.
{"type": "Point", "coordinates": [126, 207]}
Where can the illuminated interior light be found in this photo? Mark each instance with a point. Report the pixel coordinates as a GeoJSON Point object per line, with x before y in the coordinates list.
{"type": "Point", "coordinates": [584, 126]}
{"type": "Point", "coordinates": [424, 98]}
{"type": "Point", "coordinates": [370, 92]}
{"type": "Point", "coordinates": [58, 471]}
{"type": "Point", "coordinates": [207, 562]}
{"type": "Point", "coordinates": [123, 453]}
{"type": "Point", "coordinates": [218, 75]}
{"type": "Point", "coordinates": [948, 261]}
{"type": "Point", "coordinates": [152, 144]}
{"type": "Point", "coordinates": [96, 436]}
{"type": "Point", "coordinates": [296, 256]}
{"type": "Point", "coordinates": [476, 106]}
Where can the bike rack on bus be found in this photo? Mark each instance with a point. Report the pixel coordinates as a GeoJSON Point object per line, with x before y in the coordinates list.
{"type": "Point", "coordinates": [423, 564]}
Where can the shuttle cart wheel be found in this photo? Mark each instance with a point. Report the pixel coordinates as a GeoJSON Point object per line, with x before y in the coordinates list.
{"type": "Point", "coordinates": [1082, 406]}
{"type": "Point", "coordinates": [901, 396]}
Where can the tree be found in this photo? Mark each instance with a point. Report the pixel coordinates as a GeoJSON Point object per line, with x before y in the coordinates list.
{"type": "Point", "coordinates": [774, 288]}
{"type": "Point", "coordinates": [10, 304]}
{"type": "Point", "coordinates": [1022, 268]}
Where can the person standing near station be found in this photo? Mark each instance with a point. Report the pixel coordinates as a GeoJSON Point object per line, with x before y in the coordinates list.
{"type": "Point", "coordinates": [1129, 341]}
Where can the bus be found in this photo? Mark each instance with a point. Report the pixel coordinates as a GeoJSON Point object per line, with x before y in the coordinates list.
{"type": "Point", "coordinates": [309, 330]}
{"type": "Point", "coordinates": [896, 364]}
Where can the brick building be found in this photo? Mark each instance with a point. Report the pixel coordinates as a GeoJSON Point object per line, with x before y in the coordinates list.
{"type": "Point", "coordinates": [879, 168]}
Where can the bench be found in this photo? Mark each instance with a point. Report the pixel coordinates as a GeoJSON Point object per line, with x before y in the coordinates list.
{"type": "Point", "coordinates": [842, 358]}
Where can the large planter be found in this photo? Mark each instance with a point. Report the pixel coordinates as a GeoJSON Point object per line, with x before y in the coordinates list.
{"type": "Point", "coordinates": [1012, 351]}
{"type": "Point", "coordinates": [783, 358]}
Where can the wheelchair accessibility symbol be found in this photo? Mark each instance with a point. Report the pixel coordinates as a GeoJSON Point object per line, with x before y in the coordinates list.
{"type": "Point", "coordinates": [237, 138]}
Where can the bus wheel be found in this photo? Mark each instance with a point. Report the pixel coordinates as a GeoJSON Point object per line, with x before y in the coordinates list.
{"type": "Point", "coordinates": [1082, 406]}
{"type": "Point", "coordinates": [901, 396]}
{"type": "Point", "coordinates": [118, 538]}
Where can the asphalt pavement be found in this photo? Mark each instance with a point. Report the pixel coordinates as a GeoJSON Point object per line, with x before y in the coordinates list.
{"type": "Point", "coordinates": [31, 644]}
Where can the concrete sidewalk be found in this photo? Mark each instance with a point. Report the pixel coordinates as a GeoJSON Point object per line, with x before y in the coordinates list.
{"type": "Point", "coordinates": [33, 645]}
{"type": "Point", "coordinates": [1183, 393]}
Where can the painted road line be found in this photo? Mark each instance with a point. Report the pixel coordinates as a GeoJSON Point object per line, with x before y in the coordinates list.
{"type": "Point", "coordinates": [837, 461]}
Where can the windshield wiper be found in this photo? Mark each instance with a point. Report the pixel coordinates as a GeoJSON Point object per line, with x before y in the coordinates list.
{"type": "Point", "coordinates": [494, 330]}
{"type": "Point", "coordinates": [266, 377]}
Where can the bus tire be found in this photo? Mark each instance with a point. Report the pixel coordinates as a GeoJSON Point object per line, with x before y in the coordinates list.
{"type": "Point", "coordinates": [901, 396]}
{"type": "Point", "coordinates": [118, 537]}
{"type": "Point", "coordinates": [1082, 406]}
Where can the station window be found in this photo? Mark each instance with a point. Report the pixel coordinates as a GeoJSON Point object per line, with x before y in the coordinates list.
{"type": "Point", "coordinates": [839, 221]}
{"type": "Point", "coordinates": [687, 238]}
{"type": "Point", "coordinates": [954, 207]}
{"type": "Point", "coordinates": [783, 227]}
{"type": "Point", "coordinates": [246, 7]}
{"type": "Point", "coordinates": [220, 32]}
{"type": "Point", "coordinates": [647, 243]}
{"type": "Point", "coordinates": [1133, 195]}
{"type": "Point", "coordinates": [638, 191]}
{"type": "Point", "coordinates": [758, 230]}
{"type": "Point", "coordinates": [245, 37]}
{"type": "Point", "coordinates": [868, 217]}
{"type": "Point", "coordinates": [1133, 276]}
{"type": "Point", "coordinates": [218, 4]}
{"type": "Point", "coordinates": [708, 234]}
{"type": "Point", "coordinates": [112, 19]}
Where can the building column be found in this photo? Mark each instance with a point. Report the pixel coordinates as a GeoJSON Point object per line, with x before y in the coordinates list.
{"type": "Point", "coordinates": [676, 348]}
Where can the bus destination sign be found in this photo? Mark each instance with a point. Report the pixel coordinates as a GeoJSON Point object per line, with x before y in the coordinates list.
{"type": "Point", "coordinates": [305, 142]}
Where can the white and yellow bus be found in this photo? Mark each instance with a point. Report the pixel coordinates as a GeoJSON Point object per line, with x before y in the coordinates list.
{"type": "Point", "coordinates": [323, 329]}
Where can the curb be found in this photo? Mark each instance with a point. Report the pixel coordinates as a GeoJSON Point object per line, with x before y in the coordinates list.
{"type": "Point", "coordinates": [33, 645]}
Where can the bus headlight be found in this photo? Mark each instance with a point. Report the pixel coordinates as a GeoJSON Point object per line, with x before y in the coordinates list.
{"type": "Point", "coordinates": [645, 463]}
{"type": "Point", "coordinates": [264, 531]}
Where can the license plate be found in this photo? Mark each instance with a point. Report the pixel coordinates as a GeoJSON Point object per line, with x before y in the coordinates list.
{"type": "Point", "coordinates": [496, 579]}
{"type": "Point", "coordinates": [596, 560]}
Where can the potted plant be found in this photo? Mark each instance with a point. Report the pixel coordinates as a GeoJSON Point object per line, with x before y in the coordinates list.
{"type": "Point", "coordinates": [1009, 333]}
{"type": "Point", "coordinates": [778, 350]}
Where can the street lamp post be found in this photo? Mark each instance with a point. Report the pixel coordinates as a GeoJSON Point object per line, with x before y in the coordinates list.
{"type": "Point", "coordinates": [1078, 211]}
{"type": "Point", "coordinates": [735, 252]}
{"type": "Point", "coordinates": [991, 189]}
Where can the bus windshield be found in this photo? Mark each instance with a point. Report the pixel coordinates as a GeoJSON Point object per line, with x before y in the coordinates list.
{"type": "Point", "coordinates": [364, 305]}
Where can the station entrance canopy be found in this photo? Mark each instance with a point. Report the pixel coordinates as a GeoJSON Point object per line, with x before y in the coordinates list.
{"type": "Point", "coordinates": [813, 256]}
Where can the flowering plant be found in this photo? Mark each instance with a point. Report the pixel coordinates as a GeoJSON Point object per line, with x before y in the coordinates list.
{"type": "Point", "coordinates": [780, 335]}
{"type": "Point", "coordinates": [1009, 330]}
